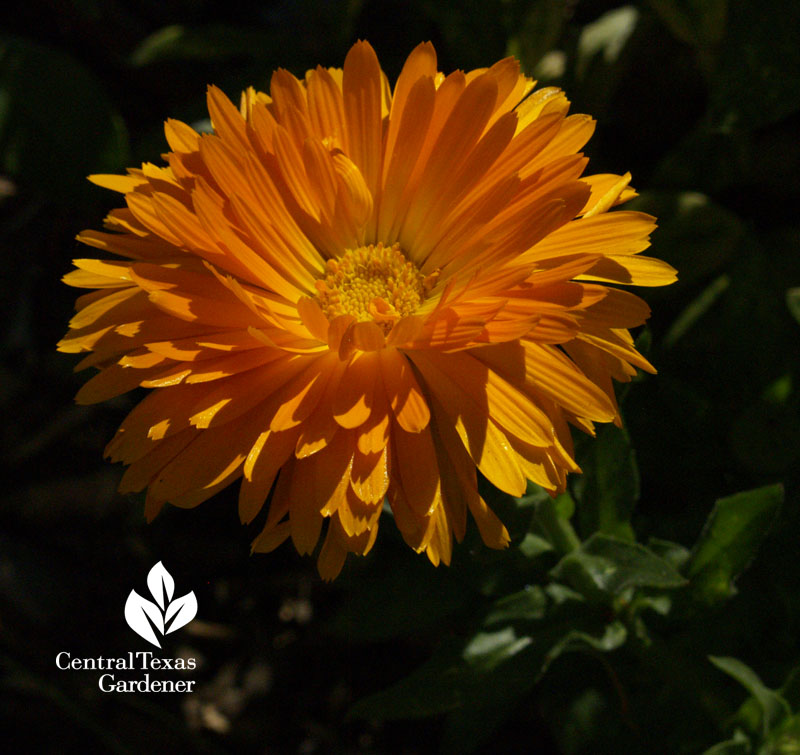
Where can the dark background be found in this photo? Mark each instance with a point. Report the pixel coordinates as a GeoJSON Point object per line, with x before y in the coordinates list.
{"type": "Point", "coordinates": [699, 100]}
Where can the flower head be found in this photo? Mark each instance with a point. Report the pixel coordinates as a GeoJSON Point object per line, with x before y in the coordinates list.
{"type": "Point", "coordinates": [354, 293]}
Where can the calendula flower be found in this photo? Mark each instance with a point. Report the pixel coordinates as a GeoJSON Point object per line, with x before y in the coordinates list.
{"type": "Point", "coordinates": [353, 293]}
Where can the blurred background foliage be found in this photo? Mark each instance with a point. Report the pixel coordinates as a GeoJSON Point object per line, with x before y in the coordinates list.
{"type": "Point", "coordinates": [653, 608]}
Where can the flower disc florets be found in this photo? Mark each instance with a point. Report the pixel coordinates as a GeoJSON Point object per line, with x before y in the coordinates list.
{"type": "Point", "coordinates": [374, 282]}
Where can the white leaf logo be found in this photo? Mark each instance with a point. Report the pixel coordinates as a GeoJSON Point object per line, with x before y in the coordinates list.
{"type": "Point", "coordinates": [180, 612]}
{"type": "Point", "coordinates": [161, 584]}
{"type": "Point", "coordinates": [165, 615]}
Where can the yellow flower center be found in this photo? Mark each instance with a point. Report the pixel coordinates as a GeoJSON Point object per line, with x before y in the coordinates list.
{"type": "Point", "coordinates": [374, 282]}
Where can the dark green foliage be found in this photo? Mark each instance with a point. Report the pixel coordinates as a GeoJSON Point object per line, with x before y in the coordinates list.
{"type": "Point", "coordinates": [57, 123]}
{"type": "Point", "coordinates": [729, 541]}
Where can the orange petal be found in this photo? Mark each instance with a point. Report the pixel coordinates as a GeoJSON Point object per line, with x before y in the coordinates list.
{"type": "Point", "coordinates": [374, 433]}
{"type": "Point", "coordinates": [361, 92]}
{"type": "Point", "coordinates": [493, 531]}
{"type": "Point", "coordinates": [325, 108]}
{"type": "Point", "coordinates": [304, 515]}
{"type": "Point", "coordinates": [300, 396]}
{"type": "Point", "coordinates": [266, 457]}
{"type": "Point", "coordinates": [636, 270]}
{"type": "Point", "coordinates": [141, 473]}
{"type": "Point", "coordinates": [231, 397]}
{"type": "Point", "coordinates": [417, 468]}
{"type": "Point", "coordinates": [331, 557]}
{"type": "Point", "coordinates": [405, 396]}
{"type": "Point", "coordinates": [369, 476]}
{"type": "Point", "coordinates": [552, 372]}
{"type": "Point", "coordinates": [313, 318]}
{"type": "Point", "coordinates": [486, 443]}
{"type": "Point", "coordinates": [320, 427]}
{"type": "Point", "coordinates": [328, 473]}
{"type": "Point", "coordinates": [368, 336]}
{"type": "Point", "coordinates": [213, 456]}
{"type": "Point", "coordinates": [272, 538]}
{"type": "Point", "coordinates": [226, 119]}
{"type": "Point", "coordinates": [416, 530]}
{"type": "Point", "coordinates": [353, 402]}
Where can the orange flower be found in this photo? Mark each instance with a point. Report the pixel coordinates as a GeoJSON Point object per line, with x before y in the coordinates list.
{"type": "Point", "coordinates": [356, 294]}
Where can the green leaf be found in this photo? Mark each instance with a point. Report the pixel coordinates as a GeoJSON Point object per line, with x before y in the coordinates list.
{"type": "Point", "coordinates": [613, 637]}
{"type": "Point", "coordinates": [526, 605]}
{"type": "Point", "coordinates": [609, 489]}
{"type": "Point", "coordinates": [606, 566]}
{"type": "Point", "coordinates": [492, 698]}
{"type": "Point", "coordinates": [739, 744]}
{"type": "Point", "coordinates": [487, 650]}
{"type": "Point", "coordinates": [774, 707]}
{"type": "Point", "coordinates": [562, 594]}
{"type": "Point", "coordinates": [606, 37]}
{"type": "Point", "coordinates": [785, 740]}
{"type": "Point", "coordinates": [564, 506]}
{"type": "Point", "coordinates": [479, 681]}
{"type": "Point", "coordinates": [438, 686]}
{"type": "Point", "coordinates": [534, 496]}
{"type": "Point", "coordinates": [790, 690]}
{"type": "Point", "coordinates": [793, 302]}
{"type": "Point", "coordinates": [674, 553]}
{"type": "Point", "coordinates": [57, 124]}
{"type": "Point", "coordinates": [476, 722]}
{"type": "Point", "coordinates": [551, 521]}
{"type": "Point", "coordinates": [533, 546]}
{"type": "Point", "coordinates": [454, 676]}
{"type": "Point", "coordinates": [661, 604]}
{"type": "Point", "coordinates": [730, 540]}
